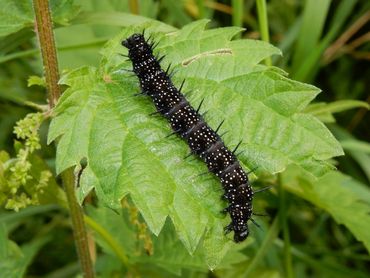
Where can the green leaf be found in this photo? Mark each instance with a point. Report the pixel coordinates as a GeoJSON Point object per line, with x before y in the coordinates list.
{"type": "Point", "coordinates": [36, 80]}
{"type": "Point", "coordinates": [63, 11]}
{"type": "Point", "coordinates": [116, 234]}
{"type": "Point", "coordinates": [356, 145]}
{"type": "Point", "coordinates": [345, 199]}
{"type": "Point", "coordinates": [128, 152]}
{"type": "Point", "coordinates": [314, 16]}
{"type": "Point", "coordinates": [16, 15]}
{"type": "Point", "coordinates": [115, 18]}
{"type": "Point", "coordinates": [357, 150]}
{"type": "Point", "coordinates": [307, 66]}
{"type": "Point", "coordinates": [168, 252]}
{"type": "Point", "coordinates": [14, 260]}
{"type": "Point", "coordinates": [15, 217]}
{"type": "Point", "coordinates": [175, 12]}
{"type": "Point", "coordinates": [171, 255]}
{"type": "Point", "coordinates": [324, 111]}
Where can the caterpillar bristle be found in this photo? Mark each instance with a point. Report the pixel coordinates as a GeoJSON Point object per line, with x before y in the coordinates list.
{"type": "Point", "coordinates": [188, 155]}
{"type": "Point", "coordinates": [128, 70]}
{"type": "Point", "coordinates": [252, 170]}
{"type": "Point", "coordinates": [154, 45]}
{"type": "Point", "coordinates": [225, 132]}
{"type": "Point", "coordinates": [155, 113]}
{"type": "Point", "coordinates": [182, 84]}
{"type": "Point", "coordinates": [262, 189]}
{"type": "Point", "coordinates": [203, 174]}
{"type": "Point", "coordinates": [140, 94]}
{"type": "Point", "coordinates": [168, 68]}
{"type": "Point", "coordinates": [148, 39]}
{"type": "Point", "coordinates": [259, 214]}
{"type": "Point", "coordinates": [173, 133]}
{"type": "Point", "coordinates": [237, 146]}
{"type": "Point", "coordinates": [219, 126]}
{"type": "Point", "coordinates": [200, 105]}
{"type": "Point", "coordinates": [159, 60]}
{"type": "Point", "coordinates": [256, 224]}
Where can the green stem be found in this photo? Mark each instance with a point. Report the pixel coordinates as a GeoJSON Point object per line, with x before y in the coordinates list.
{"type": "Point", "coordinates": [266, 244]}
{"type": "Point", "coordinates": [283, 223]}
{"type": "Point", "coordinates": [334, 269]}
{"type": "Point", "coordinates": [114, 245]}
{"type": "Point", "coordinates": [50, 62]}
{"type": "Point", "coordinates": [237, 13]}
{"type": "Point", "coordinates": [78, 224]}
{"type": "Point", "coordinates": [263, 23]}
{"type": "Point", "coordinates": [134, 6]}
{"type": "Point", "coordinates": [201, 8]}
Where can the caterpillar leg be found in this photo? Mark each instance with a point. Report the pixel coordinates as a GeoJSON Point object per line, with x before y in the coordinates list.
{"type": "Point", "coordinates": [228, 228]}
{"type": "Point", "coordinates": [225, 210]}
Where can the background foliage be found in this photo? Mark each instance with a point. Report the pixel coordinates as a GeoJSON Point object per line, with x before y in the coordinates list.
{"type": "Point", "coordinates": [325, 44]}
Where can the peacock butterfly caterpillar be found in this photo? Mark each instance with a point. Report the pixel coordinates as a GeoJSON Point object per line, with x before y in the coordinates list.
{"type": "Point", "coordinates": [189, 124]}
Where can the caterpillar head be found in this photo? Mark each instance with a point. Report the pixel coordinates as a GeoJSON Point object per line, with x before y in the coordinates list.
{"type": "Point", "coordinates": [138, 47]}
{"type": "Point", "coordinates": [136, 40]}
{"type": "Point", "coordinates": [239, 236]}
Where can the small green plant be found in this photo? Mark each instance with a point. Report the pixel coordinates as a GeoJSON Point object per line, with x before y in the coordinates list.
{"type": "Point", "coordinates": [22, 183]}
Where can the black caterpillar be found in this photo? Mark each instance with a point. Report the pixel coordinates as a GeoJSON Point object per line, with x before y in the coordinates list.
{"type": "Point", "coordinates": [190, 125]}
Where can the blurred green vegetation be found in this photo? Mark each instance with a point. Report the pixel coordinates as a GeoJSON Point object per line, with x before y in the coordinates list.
{"type": "Point", "coordinates": [324, 43]}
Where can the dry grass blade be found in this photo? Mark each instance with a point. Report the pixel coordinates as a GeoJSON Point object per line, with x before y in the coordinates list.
{"type": "Point", "coordinates": [334, 51]}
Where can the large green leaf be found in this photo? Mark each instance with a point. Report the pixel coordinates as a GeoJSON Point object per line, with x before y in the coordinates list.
{"type": "Point", "coordinates": [127, 150]}
{"type": "Point", "coordinates": [344, 198]}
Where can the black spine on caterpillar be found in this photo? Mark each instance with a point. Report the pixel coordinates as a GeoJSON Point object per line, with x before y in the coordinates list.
{"type": "Point", "coordinates": [190, 125]}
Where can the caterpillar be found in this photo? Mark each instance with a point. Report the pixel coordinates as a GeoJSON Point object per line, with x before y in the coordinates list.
{"type": "Point", "coordinates": [189, 124]}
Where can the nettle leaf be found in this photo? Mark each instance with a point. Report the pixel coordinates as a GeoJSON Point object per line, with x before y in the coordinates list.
{"type": "Point", "coordinates": [99, 119]}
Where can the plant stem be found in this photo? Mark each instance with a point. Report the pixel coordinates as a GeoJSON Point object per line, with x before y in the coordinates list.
{"type": "Point", "coordinates": [134, 6]}
{"type": "Point", "coordinates": [283, 223]}
{"type": "Point", "coordinates": [237, 13]}
{"type": "Point", "coordinates": [114, 245]}
{"type": "Point", "coordinates": [263, 23]}
{"type": "Point", "coordinates": [47, 46]}
{"type": "Point", "coordinates": [78, 224]}
{"type": "Point", "coordinates": [263, 249]}
{"type": "Point", "coordinates": [49, 57]}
